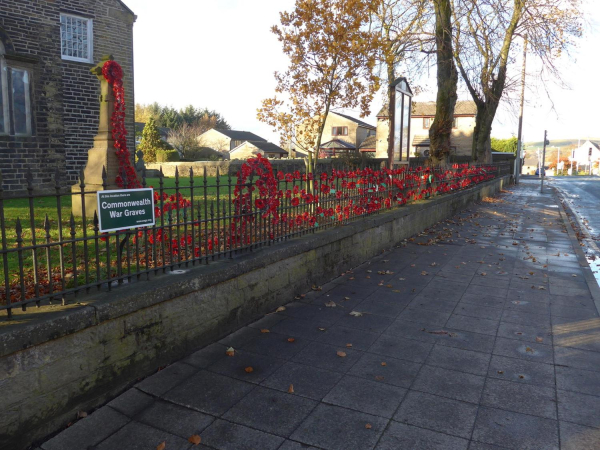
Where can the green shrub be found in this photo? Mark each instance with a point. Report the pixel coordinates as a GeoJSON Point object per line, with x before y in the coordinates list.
{"type": "Point", "coordinates": [167, 155]}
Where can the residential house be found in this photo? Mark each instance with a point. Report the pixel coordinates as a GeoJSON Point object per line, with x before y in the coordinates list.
{"type": "Point", "coordinates": [422, 116]}
{"type": "Point", "coordinates": [588, 152]}
{"type": "Point", "coordinates": [48, 97]}
{"type": "Point", "coordinates": [250, 149]}
{"type": "Point", "coordinates": [224, 141]}
{"type": "Point", "coordinates": [343, 133]}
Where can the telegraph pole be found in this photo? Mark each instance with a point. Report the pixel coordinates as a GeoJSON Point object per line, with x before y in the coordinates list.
{"type": "Point", "coordinates": [543, 169]}
{"type": "Point", "coordinates": [520, 136]}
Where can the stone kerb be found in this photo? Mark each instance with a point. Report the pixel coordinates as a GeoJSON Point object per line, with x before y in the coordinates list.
{"type": "Point", "coordinates": [59, 360]}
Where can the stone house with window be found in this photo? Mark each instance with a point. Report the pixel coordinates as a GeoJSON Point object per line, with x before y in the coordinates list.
{"type": "Point", "coordinates": [250, 149]}
{"type": "Point", "coordinates": [343, 133]}
{"type": "Point", "coordinates": [224, 141]}
{"type": "Point", "coordinates": [48, 97]}
{"type": "Point", "coordinates": [422, 116]}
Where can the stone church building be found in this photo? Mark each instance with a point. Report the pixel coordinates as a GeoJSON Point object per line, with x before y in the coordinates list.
{"type": "Point", "coordinates": [48, 97]}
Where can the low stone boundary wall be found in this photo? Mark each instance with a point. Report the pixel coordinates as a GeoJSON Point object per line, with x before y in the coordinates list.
{"type": "Point", "coordinates": [232, 167]}
{"type": "Point", "coordinates": [56, 361]}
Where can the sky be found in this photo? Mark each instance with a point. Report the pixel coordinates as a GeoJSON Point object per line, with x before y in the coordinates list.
{"type": "Point", "coordinates": [222, 55]}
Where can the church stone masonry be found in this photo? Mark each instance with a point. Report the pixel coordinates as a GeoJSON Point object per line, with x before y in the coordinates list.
{"type": "Point", "coordinates": [63, 107]}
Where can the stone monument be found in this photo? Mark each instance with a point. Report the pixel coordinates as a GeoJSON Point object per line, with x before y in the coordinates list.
{"type": "Point", "coordinates": [102, 155]}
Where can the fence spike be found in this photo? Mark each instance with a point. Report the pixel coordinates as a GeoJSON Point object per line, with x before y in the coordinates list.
{"type": "Point", "coordinates": [96, 221]}
{"type": "Point", "coordinates": [176, 175]}
{"type": "Point", "coordinates": [81, 179]}
{"type": "Point", "coordinates": [160, 173]}
{"type": "Point", "coordinates": [72, 224]}
{"type": "Point", "coordinates": [204, 174]}
{"type": "Point", "coordinates": [19, 229]}
{"type": "Point", "coordinates": [191, 175]}
{"type": "Point", "coordinates": [47, 225]}
{"type": "Point", "coordinates": [218, 174]}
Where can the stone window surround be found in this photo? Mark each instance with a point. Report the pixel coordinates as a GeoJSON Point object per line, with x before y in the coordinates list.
{"type": "Point", "coordinates": [90, 38]}
{"type": "Point", "coordinates": [6, 65]}
{"type": "Point", "coordinates": [427, 121]}
{"type": "Point", "coordinates": [339, 131]}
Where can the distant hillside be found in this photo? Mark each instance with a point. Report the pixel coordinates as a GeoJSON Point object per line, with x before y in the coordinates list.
{"type": "Point", "coordinates": [559, 142]}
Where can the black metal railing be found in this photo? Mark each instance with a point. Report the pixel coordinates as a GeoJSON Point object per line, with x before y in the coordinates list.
{"type": "Point", "coordinates": [50, 255]}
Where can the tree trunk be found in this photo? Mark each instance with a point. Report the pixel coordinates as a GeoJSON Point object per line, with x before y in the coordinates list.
{"type": "Point", "coordinates": [482, 144]}
{"type": "Point", "coordinates": [440, 132]}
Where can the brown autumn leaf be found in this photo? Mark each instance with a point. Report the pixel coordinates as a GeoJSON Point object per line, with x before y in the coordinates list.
{"type": "Point", "coordinates": [230, 351]}
{"type": "Point", "coordinates": [483, 274]}
{"type": "Point", "coordinates": [264, 330]}
{"type": "Point", "coordinates": [501, 372]}
{"type": "Point", "coordinates": [528, 349]}
{"type": "Point", "coordinates": [281, 308]}
{"type": "Point", "coordinates": [249, 369]}
{"type": "Point", "coordinates": [389, 286]}
{"type": "Point", "coordinates": [291, 340]}
{"type": "Point", "coordinates": [379, 377]}
{"type": "Point", "coordinates": [346, 298]}
{"type": "Point", "coordinates": [331, 304]}
{"type": "Point", "coordinates": [368, 426]}
{"type": "Point", "coordinates": [341, 354]}
{"type": "Point", "coordinates": [424, 273]}
{"type": "Point", "coordinates": [322, 329]}
{"type": "Point", "coordinates": [161, 446]}
{"type": "Point", "coordinates": [384, 363]}
{"type": "Point", "coordinates": [291, 389]}
{"type": "Point", "coordinates": [539, 339]}
{"type": "Point", "coordinates": [194, 439]}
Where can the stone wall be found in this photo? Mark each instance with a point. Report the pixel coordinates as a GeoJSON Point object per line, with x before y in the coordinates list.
{"type": "Point", "coordinates": [55, 361]}
{"type": "Point", "coordinates": [231, 167]}
{"type": "Point", "coordinates": [64, 94]}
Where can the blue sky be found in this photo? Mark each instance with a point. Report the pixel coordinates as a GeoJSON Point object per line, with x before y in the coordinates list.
{"type": "Point", "coordinates": [222, 55]}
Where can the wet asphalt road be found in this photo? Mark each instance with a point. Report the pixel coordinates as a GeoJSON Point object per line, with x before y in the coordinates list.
{"type": "Point", "coordinates": [583, 193]}
{"type": "Point", "coordinates": [583, 196]}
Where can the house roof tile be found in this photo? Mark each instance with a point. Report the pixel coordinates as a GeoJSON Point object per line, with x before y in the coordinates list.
{"type": "Point", "coordinates": [268, 147]}
{"type": "Point", "coordinates": [241, 135]}
{"type": "Point", "coordinates": [338, 143]}
{"type": "Point", "coordinates": [462, 108]}
{"type": "Point", "coordinates": [369, 142]}
{"type": "Point", "coordinates": [359, 122]}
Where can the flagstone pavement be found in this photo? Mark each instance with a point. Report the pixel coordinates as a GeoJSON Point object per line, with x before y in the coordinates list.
{"type": "Point", "coordinates": [480, 333]}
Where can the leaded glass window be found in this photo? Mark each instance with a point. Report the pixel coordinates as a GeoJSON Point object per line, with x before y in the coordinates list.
{"type": "Point", "coordinates": [76, 38]}
{"type": "Point", "coordinates": [21, 103]}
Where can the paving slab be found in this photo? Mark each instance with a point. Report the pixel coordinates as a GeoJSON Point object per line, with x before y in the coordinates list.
{"type": "Point", "coordinates": [399, 435]}
{"type": "Point", "coordinates": [334, 428]}
{"type": "Point", "coordinates": [436, 413]}
{"type": "Point", "coordinates": [366, 396]}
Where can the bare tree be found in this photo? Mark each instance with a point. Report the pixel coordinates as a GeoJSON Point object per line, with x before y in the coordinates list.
{"type": "Point", "coordinates": [485, 32]}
